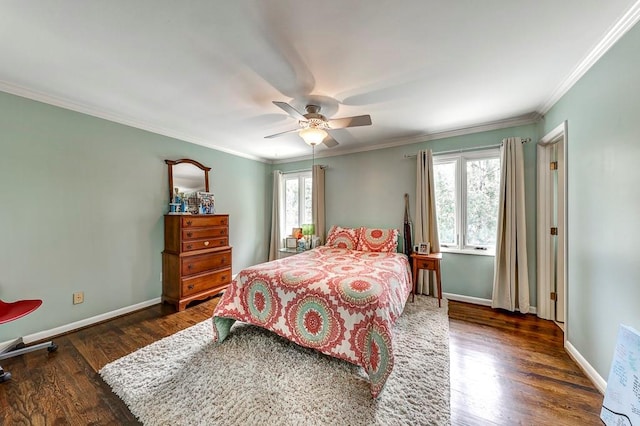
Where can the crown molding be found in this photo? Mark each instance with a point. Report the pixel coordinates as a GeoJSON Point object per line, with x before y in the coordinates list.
{"type": "Point", "coordinates": [35, 95]}
{"type": "Point", "coordinates": [620, 28]}
{"type": "Point", "coordinates": [521, 120]}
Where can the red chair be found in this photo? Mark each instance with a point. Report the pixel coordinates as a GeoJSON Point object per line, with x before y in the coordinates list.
{"type": "Point", "coordinates": [13, 311]}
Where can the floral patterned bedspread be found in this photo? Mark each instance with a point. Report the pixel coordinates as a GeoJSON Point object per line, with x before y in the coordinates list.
{"type": "Point", "coordinates": [340, 302]}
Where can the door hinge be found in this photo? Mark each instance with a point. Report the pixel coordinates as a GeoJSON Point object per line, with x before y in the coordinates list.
{"type": "Point", "coordinates": [554, 231]}
{"type": "Point", "coordinates": [553, 165]}
{"type": "Point", "coordinates": [553, 295]}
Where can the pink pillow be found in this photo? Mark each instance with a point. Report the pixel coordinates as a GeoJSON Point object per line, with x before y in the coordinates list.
{"type": "Point", "coordinates": [380, 240]}
{"type": "Point", "coordinates": [343, 237]}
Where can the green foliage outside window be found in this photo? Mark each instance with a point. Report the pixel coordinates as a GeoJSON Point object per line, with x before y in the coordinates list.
{"type": "Point", "coordinates": [469, 182]}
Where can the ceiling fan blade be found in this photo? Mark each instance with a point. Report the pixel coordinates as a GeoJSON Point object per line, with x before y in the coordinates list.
{"type": "Point", "coordinates": [358, 120]}
{"type": "Point", "coordinates": [329, 141]}
{"type": "Point", "coordinates": [275, 135]}
{"type": "Point", "coordinates": [290, 110]}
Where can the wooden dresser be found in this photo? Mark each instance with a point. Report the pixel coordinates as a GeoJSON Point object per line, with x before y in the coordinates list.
{"type": "Point", "coordinates": [196, 261]}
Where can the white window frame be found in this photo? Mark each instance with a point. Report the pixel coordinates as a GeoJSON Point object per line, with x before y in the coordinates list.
{"type": "Point", "coordinates": [300, 176]}
{"type": "Point", "coordinates": [460, 159]}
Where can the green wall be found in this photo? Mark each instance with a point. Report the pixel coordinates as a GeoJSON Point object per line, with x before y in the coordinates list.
{"type": "Point", "coordinates": [368, 189]}
{"type": "Point", "coordinates": [83, 203]}
{"type": "Point", "coordinates": [602, 111]}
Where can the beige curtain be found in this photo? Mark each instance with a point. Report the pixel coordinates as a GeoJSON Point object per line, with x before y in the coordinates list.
{"type": "Point", "coordinates": [425, 224]}
{"type": "Point", "coordinates": [510, 280]}
{"type": "Point", "coordinates": [317, 201]}
{"type": "Point", "coordinates": [276, 240]}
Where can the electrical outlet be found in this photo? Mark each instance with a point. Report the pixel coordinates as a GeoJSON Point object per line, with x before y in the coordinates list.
{"type": "Point", "coordinates": [78, 297]}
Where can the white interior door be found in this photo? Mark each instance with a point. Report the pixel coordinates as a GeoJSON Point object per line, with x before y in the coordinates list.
{"type": "Point", "coordinates": [557, 240]}
{"type": "Point", "coordinates": [561, 286]}
{"type": "Point", "coordinates": [552, 225]}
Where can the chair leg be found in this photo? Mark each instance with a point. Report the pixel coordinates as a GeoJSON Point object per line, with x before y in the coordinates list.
{"type": "Point", "coordinates": [18, 348]}
{"type": "Point", "coordinates": [50, 346]}
{"type": "Point", "coordinates": [4, 375]}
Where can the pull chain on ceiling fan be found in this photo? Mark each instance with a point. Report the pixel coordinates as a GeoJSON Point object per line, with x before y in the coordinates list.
{"type": "Point", "coordinates": [314, 127]}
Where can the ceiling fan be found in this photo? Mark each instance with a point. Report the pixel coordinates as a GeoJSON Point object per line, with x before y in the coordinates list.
{"type": "Point", "coordinates": [314, 127]}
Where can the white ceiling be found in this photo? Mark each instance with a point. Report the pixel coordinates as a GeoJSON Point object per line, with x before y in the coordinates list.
{"type": "Point", "coordinates": [207, 71]}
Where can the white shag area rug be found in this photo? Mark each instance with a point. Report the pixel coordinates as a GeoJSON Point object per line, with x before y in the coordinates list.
{"type": "Point", "coordinates": [255, 377]}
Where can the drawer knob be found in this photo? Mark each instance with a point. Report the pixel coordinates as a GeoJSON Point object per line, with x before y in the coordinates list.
{"type": "Point", "coordinates": [190, 286]}
{"type": "Point", "coordinates": [206, 243]}
{"type": "Point", "coordinates": [190, 266]}
{"type": "Point", "coordinates": [224, 278]}
{"type": "Point", "coordinates": [189, 223]}
{"type": "Point", "coordinates": [188, 246]}
{"type": "Point", "coordinates": [189, 234]}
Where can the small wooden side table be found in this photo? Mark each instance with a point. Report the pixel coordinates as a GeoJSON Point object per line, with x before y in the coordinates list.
{"type": "Point", "coordinates": [286, 252]}
{"type": "Point", "coordinates": [430, 262]}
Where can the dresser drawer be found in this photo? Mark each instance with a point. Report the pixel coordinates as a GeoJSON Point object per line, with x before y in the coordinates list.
{"type": "Point", "coordinates": [205, 262]}
{"type": "Point", "coordinates": [205, 282]}
{"type": "Point", "coordinates": [200, 233]}
{"type": "Point", "coordinates": [425, 263]}
{"type": "Point", "coordinates": [204, 244]}
{"type": "Point", "coordinates": [194, 222]}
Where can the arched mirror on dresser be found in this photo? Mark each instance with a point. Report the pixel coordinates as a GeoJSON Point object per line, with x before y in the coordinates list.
{"type": "Point", "coordinates": [188, 176]}
{"type": "Point", "coordinates": [196, 261]}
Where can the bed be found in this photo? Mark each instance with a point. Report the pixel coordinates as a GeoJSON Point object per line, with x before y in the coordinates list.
{"type": "Point", "coordinates": [341, 299]}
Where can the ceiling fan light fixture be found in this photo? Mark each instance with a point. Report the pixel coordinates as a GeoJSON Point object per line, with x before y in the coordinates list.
{"type": "Point", "coordinates": [314, 126]}
{"type": "Point", "coordinates": [313, 136]}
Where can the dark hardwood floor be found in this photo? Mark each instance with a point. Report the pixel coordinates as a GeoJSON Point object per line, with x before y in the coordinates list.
{"type": "Point", "coordinates": [512, 369]}
{"type": "Point", "coordinates": [506, 369]}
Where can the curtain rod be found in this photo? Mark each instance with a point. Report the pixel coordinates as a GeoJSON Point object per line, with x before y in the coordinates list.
{"type": "Point", "coordinates": [302, 170]}
{"type": "Point", "coordinates": [479, 148]}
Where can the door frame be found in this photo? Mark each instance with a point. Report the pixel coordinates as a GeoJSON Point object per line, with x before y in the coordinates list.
{"type": "Point", "coordinates": [546, 306]}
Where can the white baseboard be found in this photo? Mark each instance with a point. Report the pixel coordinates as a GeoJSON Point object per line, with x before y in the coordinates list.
{"type": "Point", "coordinates": [46, 334]}
{"type": "Point", "coordinates": [591, 373]}
{"type": "Point", "coordinates": [476, 300]}
{"type": "Point", "coordinates": [467, 299]}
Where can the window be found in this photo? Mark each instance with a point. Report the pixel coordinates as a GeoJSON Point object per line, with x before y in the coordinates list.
{"type": "Point", "coordinates": [467, 195]}
{"type": "Point", "coordinates": [295, 205]}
